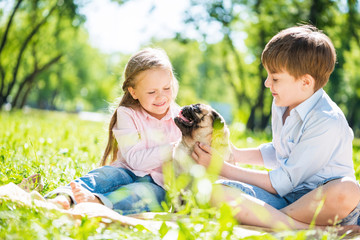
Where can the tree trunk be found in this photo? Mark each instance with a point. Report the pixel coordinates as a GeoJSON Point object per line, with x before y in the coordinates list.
{"type": "Point", "coordinates": [317, 8]}
{"type": "Point", "coordinates": [351, 116]}
{"type": "Point", "coordinates": [52, 105]}
{"type": "Point", "coordinates": [3, 42]}
{"type": "Point", "coordinates": [8, 25]}
{"type": "Point", "coordinates": [29, 79]}
{"type": "Point", "coordinates": [22, 50]}
{"type": "Point", "coordinates": [257, 110]}
{"type": "Point", "coordinates": [26, 94]}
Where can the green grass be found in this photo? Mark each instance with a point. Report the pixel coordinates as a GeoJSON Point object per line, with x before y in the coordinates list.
{"type": "Point", "coordinates": [59, 146]}
{"type": "Point", "coordinates": [62, 147]}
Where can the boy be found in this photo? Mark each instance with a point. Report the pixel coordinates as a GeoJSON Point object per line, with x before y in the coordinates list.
{"type": "Point", "coordinates": [311, 151]}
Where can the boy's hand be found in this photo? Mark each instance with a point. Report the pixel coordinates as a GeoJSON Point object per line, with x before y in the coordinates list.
{"type": "Point", "coordinates": [202, 154]}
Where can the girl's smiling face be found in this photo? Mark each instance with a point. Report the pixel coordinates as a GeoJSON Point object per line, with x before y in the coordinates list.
{"type": "Point", "coordinates": [288, 91]}
{"type": "Point", "coordinates": [154, 91]}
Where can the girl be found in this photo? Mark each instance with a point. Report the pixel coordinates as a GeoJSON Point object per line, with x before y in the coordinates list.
{"type": "Point", "coordinates": [142, 134]}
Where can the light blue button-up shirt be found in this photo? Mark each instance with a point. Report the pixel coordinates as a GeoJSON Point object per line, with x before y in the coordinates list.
{"type": "Point", "coordinates": [314, 144]}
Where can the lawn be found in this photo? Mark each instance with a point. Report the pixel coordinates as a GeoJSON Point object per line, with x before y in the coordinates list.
{"type": "Point", "coordinates": [60, 147]}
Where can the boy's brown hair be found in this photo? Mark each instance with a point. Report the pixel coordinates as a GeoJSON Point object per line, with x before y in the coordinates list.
{"type": "Point", "coordinates": [301, 50]}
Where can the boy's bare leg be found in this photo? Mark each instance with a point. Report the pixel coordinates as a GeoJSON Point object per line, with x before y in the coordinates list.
{"type": "Point", "coordinates": [252, 211]}
{"type": "Point", "coordinates": [334, 201]}
{"type": "Point", "coordinates": [81, 194]}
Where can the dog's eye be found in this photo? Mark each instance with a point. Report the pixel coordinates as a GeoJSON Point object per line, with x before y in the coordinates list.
{"type": "Point", "coordinates": [197, 109]}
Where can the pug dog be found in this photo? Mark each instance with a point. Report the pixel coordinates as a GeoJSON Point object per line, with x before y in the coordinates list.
{"type": "Point", "coordinates": [199, 123]}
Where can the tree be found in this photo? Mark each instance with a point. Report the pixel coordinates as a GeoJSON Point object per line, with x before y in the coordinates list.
{"type": "Point", "coordinates": [246, 79]}
{"type": "Point", "coordinates": [260, 20]}
{"type": "Point", "coordinates": [17, 77]}
{"type": "Point", "coordinates": [346, 74]}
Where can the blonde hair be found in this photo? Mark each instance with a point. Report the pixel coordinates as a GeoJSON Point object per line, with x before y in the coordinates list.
{"type": "Point", "coordinates": [301, 50]}
{"type": "Point", "coordinates": [146, 59]}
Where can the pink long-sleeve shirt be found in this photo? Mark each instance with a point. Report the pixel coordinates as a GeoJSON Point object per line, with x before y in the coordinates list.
{"type": "Point", "coordinates": [145, 142]}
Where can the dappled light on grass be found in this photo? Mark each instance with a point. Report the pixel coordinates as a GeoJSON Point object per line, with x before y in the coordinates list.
{"type": "Point", "coordinates": [23, 222]}
{"type": "Point", "coordinates": [57, 145]}
{"type": "Point", "coordinates": [204, 189]}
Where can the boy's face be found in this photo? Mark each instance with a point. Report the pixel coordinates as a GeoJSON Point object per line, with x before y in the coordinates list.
{"type": "Point", "coordinates": [286, 90]}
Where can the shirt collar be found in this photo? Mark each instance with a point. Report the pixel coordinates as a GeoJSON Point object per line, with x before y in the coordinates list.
{"type": "Point", "coordinates": [279, 110]}
{"type": "Point", "coordinates": [305, 107]}
{"type": "Point", "coordinates": [171, 113]}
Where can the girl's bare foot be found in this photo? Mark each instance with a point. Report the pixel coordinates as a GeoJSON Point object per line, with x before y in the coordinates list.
{"type": "Point", "coordinates": [61, 201]}
{"type": "Point", "coordinates": [31, 183]}
{"type": "Point", "coordinates": [82, 194]}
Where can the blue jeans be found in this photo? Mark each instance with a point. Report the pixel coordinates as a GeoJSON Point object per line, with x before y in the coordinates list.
{"type": "Point", "coordinates": [272, 199]}
{"type": "Point", "coordinates": [280, 202]}
{"type": "Point", "coordinates": [119, 189]}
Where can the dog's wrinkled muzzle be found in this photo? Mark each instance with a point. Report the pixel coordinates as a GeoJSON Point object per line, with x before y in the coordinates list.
{"type": "Point", "coordinates": [187, 118]}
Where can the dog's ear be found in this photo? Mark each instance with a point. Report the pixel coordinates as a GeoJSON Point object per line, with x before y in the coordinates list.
{"type": "Point", "coordinates": [220, 135]}
{"type": "Point", "coordinates": [218, 121]}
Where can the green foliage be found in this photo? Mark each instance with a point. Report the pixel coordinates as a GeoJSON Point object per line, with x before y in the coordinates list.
{"type": "Point", "coordinates": [199, 72]}
{"type": "Point", "coordinates": [46, 60]}
{"type": "Point", "coordinates": [244, 29]}
{"type": "Point", "coordinates": [82, 80]}
{"type": "Point", "coordinates": [227, 70]}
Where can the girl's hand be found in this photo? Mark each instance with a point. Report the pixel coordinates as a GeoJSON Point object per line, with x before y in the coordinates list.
{"type": "Point", "coordinates": [202, 154]}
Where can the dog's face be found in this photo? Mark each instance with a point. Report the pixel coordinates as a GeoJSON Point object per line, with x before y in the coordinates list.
{"type": "Point", "coordinates": [197, 122]}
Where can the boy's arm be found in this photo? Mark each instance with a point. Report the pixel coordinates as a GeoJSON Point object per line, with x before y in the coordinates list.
{"type": "Point", "coordinates": [259, 178]}
{"type": "Point", "coordinates": [247, 156]}
{"type": "Point", "coordinates": [202, 154]}
{"type": "Point", "coordinates": [323, 141]}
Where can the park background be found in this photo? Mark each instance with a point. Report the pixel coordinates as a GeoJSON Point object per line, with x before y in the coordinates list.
{"type": "Point", "coordinates": [67, 57]}
{"type": "Point", "coordinates": [49, 61]}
